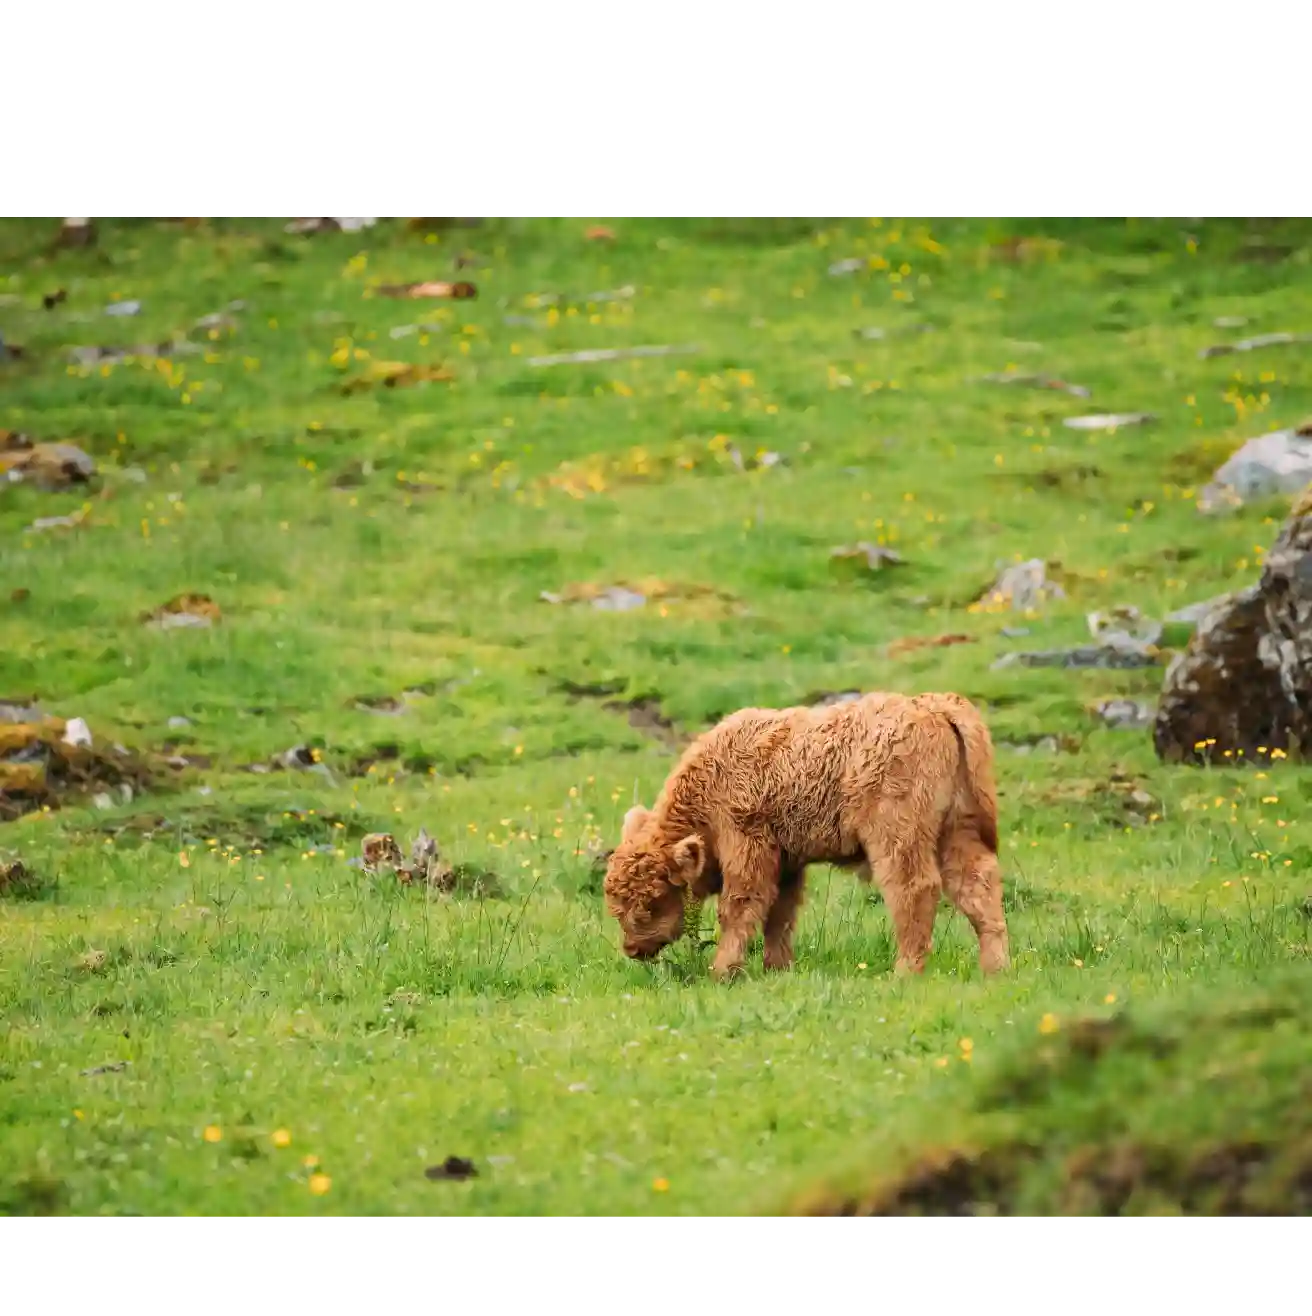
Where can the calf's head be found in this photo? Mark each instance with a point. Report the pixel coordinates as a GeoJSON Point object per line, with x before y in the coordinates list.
{"type": "Point", "coordinates": [646, 880]}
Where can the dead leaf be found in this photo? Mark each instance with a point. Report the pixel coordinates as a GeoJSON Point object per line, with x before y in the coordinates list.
{"type": "Point", "coordinates": [379, 850]}
{"type": "Point", "coordinates": [599, 233]}
{"type": "Point", "coordinates": [184, 610]}
{"type": "Point", "coordinates": [460, 291]}
{"type": "Point", "coordinates": [454, 1169]}
{"type": "Point", "coordinates": [396, 374]}
{"type": "Point", "coordinates": [20, 594]}
{"type": "Point", "coordinates": [911, 643]}
{"type": "Point", "coordinates": [92, 961]}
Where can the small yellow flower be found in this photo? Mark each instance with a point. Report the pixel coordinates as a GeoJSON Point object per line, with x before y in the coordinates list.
{"type": "Point", "coordinates": [966, 1044]}
{"type": "Point", "coordinates": [1109, 999]}
{"type": "Point", "coordinates": [862, 965]}
{"type": "Point", "coordinates": [1049, 1024]}
{"type": "Point", "coordinates": [281, 1138]}
{"type": "Point", "coordinates": [320, 1184]}
{"type": "Point", "coordinates": [1079, 964]}
{"type": "Point", "coordinates": [77, 1115]}
{"type": "Point", "coordinates": [310, 1161]}
{"type": "Point", "coordinates": [212, 1133]}
{"type": "Point", "coordinates": [941, 1062]}
{"type": "Point", "coordinates": [660, 1185]}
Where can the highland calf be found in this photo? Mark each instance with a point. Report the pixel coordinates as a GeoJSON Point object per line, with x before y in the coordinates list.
{"type": "Point", "coordinates": [900, 787]}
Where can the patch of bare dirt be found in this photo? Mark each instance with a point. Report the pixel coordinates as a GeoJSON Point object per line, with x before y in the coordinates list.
{"type": "Point", "coordinates": [911, 643]}
{"type": "Point", "coordinates": [645, 715]}
{"type": "Point", "coordinates": [42, 767]}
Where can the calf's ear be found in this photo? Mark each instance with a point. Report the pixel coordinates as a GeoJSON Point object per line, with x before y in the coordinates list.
{"type": "Point", "coordinates": [634, 819]}
{"type": "Point", "coordinates": [689, 860]}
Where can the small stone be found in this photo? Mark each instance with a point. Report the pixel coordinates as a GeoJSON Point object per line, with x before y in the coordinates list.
{"type": "Point", "coordinates": [1126, 714]}
{"type": "Point", "coordinates": [1023, 587]}
{"type": "Point", "coordinates": [871, 557]}
{"type": "Point", "coordinates": [1110, 421]}
{"type": "Point", "coordinates": [77, 733]}
{"type": "Point", "coordinates": [616, 598]}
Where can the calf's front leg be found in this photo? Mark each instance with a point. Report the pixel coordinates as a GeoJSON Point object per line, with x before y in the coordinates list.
{"type": "Point", "coordinates": [751, 886]}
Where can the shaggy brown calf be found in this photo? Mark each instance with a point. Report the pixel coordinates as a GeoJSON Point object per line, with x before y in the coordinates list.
{"type": "Point", "coordinates": [899, 787]}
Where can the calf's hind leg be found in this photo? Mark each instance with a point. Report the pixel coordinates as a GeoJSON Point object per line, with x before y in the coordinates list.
{"type": "Point", "coordinates": [972, 880]}
{"type": "Point", "coordinates": [908, 875]}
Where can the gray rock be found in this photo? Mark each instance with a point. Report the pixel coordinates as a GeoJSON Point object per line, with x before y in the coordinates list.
{"type": "Point", "coordinates": [1124, 627]}
{"type": "Point", "coordinates": [1275, 463]}
{"type": "Point", "coordinates": [1110, 656]}
{"type": "Point", "coordinates": [1024, 586]}
{"type": "Point", "coordinates": [1126, 714]}
{"type": "Point", "coordinates": [1253, 344]}
{"type": "Point", "coordinates": [1244, 684]}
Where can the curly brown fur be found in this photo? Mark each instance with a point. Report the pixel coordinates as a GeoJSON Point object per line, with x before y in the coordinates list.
{"type": "Point", "coordinates": [898, 787]}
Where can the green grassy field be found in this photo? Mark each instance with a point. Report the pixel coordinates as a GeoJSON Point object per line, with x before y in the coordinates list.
{"type": "Point", "coordinates": [291, 1035]}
